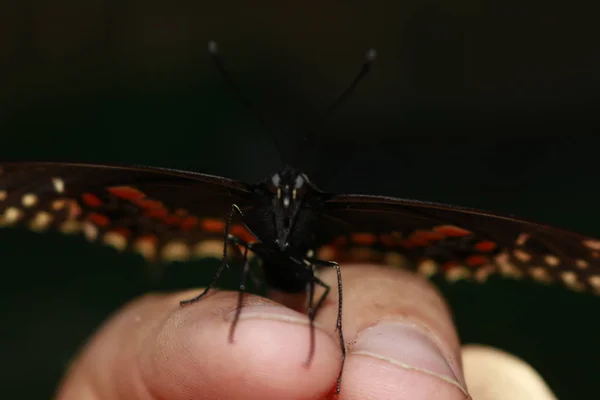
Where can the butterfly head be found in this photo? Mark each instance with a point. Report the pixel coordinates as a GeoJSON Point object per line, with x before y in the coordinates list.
{"type": "Point", "coordinates": [289, 188]}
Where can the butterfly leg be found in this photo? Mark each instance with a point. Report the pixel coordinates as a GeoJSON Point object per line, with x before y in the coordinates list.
{"type": "Point", "coordinates": [338, 327]}
{"type": "Point", "coordinates": [311, 280]}
{"type": "Point", "coordinates": [313, 310]}
{"type": "Point", "coordinates": [226, 241]}
{"type": "Point", "coordinates": [310, 290]}
{"type": "Point", "coordinates": [241, 292]}
{"type": "Point", "coordinates": [323, 296]}
{"type": "Point", "coordinates": [258, 282]}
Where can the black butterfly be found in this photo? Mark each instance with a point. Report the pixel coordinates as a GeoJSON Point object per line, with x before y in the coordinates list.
{"type": "Point", "coordinates": [289, 224]}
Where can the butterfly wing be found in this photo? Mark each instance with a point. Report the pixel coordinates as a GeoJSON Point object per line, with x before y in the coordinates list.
{"type": "Point", "coordinates": [174, 215]}
{"type": "Point", "coordinates": [165, 215]}
{"type": "Point", "coordinates": [458, 243]}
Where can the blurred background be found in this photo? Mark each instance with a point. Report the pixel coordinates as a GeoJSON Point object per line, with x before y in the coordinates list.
{"type": "Point", "coordinates": [476, 103]}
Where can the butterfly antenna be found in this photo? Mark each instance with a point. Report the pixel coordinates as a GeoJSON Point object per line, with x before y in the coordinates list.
{"type": "Point", "coordinates": [370, 56]}
{"type": "Point", "coordinates": [213, 50]}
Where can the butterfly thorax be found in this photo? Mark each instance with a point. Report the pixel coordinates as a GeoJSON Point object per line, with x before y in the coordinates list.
{"type": "Point", "coordinates": [285, 219]}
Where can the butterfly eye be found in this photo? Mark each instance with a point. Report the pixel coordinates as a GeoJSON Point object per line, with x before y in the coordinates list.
{"type": "Point", "coordinates": [276, 180]}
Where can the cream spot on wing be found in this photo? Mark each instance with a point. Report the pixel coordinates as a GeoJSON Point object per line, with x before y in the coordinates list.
{"type": "Point", "coordinates": [540, 274]}
{"type": "Point", "coordinates": [395, 259]}
{"type": "Point", "coordinates": [11, 216]}
{"type": "Point", "coordinates": [428, 268]}
{"type": "Point", "coordinates": [59, 204]}
{"type": "Point", "coordinates": [209, 248]}
{"type": "Point", "coordinates": [482, 273]}
{"type": "Point", "coordinates": [522, 239]}
{"type": "Point", "coordinates": [592, 244]}
{"type": "Point", "coordinates": [176, 251]}
{"type": "Point", "coordinates": [116, 240]}
{"type": "Point", "coordinates": [551, 260]}
{"type": "Point", "coordinates": [521, 255]}
{"type": "Point", "coordinates": [70, 226]}
{"type": "Point", "coordinates": [594, 281]}
{"type": "Point", "coordinates": [507, 268]}
{"type": "Point", "coordinates": [457, 273]}
{"type": "Point", "coordinates": [3, 195]}
{"type": "Point", "coordinates": [570, 280]}
{"type": "Point", "coordinates": [582, 264]}
{"type": "Point", "coordinates": [29, 200]}
{"type": "Point", "coordinates": [147, 248]}
{"type": "Point", "coordinates": [73, 208]}
{"type": "Point", "coordinates": [41, 221]}
{"type": "Point", "coordinates": [58, 184]}
{"type": "Point", "coordinates": [90, 231]}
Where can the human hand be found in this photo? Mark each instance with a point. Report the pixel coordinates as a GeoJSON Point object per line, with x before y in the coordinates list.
{"type": "Point", "coordinates": [401, 342]}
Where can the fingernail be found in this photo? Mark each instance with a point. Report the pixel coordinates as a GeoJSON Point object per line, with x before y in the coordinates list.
{"type": "Point", "coordinates": [272, 313]}
{"type": "Point", "coordinates": [407, 346]}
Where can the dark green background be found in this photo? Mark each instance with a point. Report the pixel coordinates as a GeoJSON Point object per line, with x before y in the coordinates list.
{"type": "Point", "coordinates": [473, 103]}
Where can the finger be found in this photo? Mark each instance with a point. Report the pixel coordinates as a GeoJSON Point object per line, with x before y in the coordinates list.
{"type": "Point", "coordinates": [402, 343]}
{"type": "Point", "coordinates": [495, 375]}
{"type": "Point", "coordinates": [154, 349]}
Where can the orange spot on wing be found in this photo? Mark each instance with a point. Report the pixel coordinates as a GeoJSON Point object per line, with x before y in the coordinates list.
{"type": "Point", "coordinates": [157, 213]}
{"type": "Point", "coordinates": [327, 253]}
{"type": "Point", "coordinates": [340, 241]}
{"type": "Point", "coordinates": [452, 231]}
{"type": "Point", "coordinates": [213, 225]}
{"type": "Point", "coordinates": [424, 238]}
{"type": "Point", "coordinates": [91, 200]}
{"type": "Point", "coordinates": [98, 219]}
{"type": "Point", "coordinates": [74, 210]}
{"type": "Point", "coordinates": [172, 220]}
{"type": "Point", "coordinates": [59, 204]}
{"type": "Point", "coordinates": [365, 239]}
{"type": "Point", "coordinates": [126, 192]}
{"type": "Point", "coordinates": [428, 235]}
{"type": "Point", "coordinates": [150, 239]}
{"type": "Point", "coordinates": [241, 232]}
{"type": "Point", "coordinates": [149, 204]}
{"type": "Point", "coordinates": [419, 242]}
{"type": "Point", "coordinates": [189, 223]}
{"type": "Point", "coordinates": [485, 245]}
{"type": "Point", "coordinates": [121, 231]}
{"type": "Point", "coordinates": [449, 265]}
{"type": "Point", "coordinates": [407, 244]}
{"type": "Point", "coordinates": [388, 240]}
{"type": "Point", "coordinates": [475, 260]}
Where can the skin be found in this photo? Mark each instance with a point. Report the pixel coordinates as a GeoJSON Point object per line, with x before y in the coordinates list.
{"type": "Point", "coordinates": [402, 344]}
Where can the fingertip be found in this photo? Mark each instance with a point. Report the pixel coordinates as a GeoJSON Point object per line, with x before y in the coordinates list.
{"type": "Point", "coordinates": [403, 343]}
{"type": "Point", "coordinates": [400, 360]}
{"type": "Point", "coordinates": [153, 348]}
{"type": "Point", "coordinates": [191, 355]}
{"type": "Point", "coordinates": [496, 375]}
